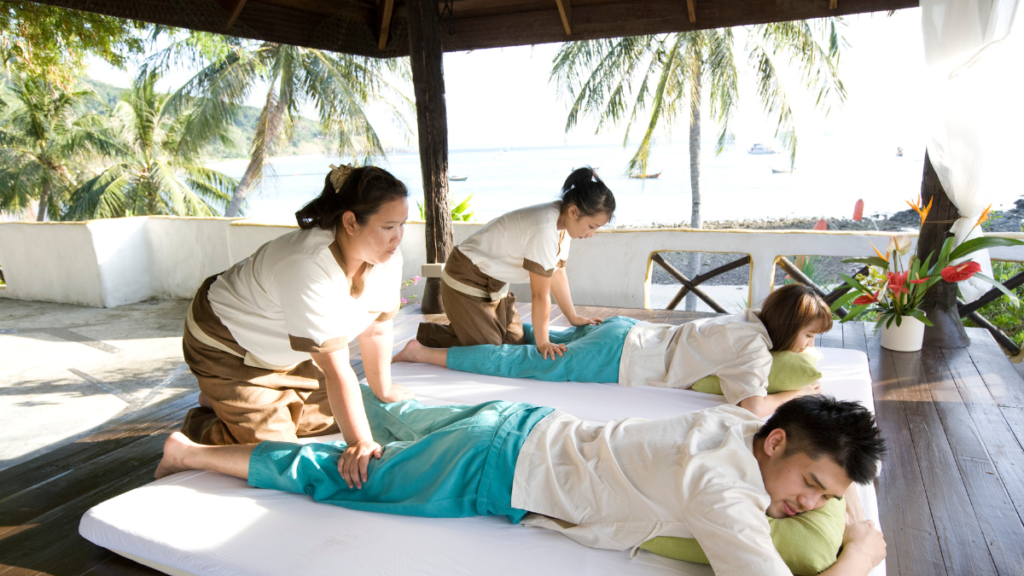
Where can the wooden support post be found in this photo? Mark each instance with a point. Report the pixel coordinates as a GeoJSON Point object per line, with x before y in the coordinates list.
{"type": "Point", "coordinates": [939, 302]}
{"type": "Point", "coordinates": [691, 11]}
{"type": "Point", "coordinates": [425, 56]}
{"type": "Point", "coordinates": [565, 11]}
{"type": "Point", "coordinates": [384, 11]}
{"type": "Point", "coordinates": [234, 7]}
{"type": "Point", "coordinates": [833, 4]}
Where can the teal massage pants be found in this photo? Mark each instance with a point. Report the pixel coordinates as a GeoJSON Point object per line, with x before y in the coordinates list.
{"type": "Point", "coordinates": [438, 461]}
{"type": "Point", "coordinates": [592, 354]}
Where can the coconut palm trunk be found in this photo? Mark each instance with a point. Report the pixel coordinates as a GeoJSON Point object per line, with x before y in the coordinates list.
{"type": "Point", "coordinates": [273, 112]}
{"type": "Point", "coordinates": [44, 199]}
{"type": "Point", "coordinates": [693, 263]}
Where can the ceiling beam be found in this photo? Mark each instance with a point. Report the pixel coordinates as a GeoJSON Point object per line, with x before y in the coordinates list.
{"type": "Point", "coordinates": [384, 10]}
{"type": "Point", "coordinates": [565, 11]}
{"type": "Point", "coordinates": [691, 11]}
{"type": "Point", "coordinates": [234, 10]}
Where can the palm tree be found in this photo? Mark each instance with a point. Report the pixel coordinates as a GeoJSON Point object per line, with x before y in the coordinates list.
{"type": "Point", "coordinates": [158, 164]}
{"type": "Point", "coordinates": [45, 135]}
{"type": "Point", "coordinates": [618, 79]}
{"type": "Point", "coordinates": [339, 86]}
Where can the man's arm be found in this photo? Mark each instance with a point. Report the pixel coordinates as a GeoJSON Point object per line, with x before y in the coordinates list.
{"type": "Point", "coordinates": [863, 549]}
{"type": "Point", "coordinates": [764, 406]}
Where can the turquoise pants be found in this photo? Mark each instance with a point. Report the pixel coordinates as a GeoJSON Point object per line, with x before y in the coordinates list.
{"type": "Point", "coordinates": [592, 354]}
{"type": "Point", "coordinates": [437, 462]}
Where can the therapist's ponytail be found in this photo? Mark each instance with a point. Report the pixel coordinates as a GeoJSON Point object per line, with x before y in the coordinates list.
{"type": "Point", "coordinates": [584, 190]}
{"type": "Point", "coordinates": [362, 191]}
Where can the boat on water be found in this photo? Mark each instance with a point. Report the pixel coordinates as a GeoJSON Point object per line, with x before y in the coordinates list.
{"type": "Point", "coordinates": [782, 170]}
{"type": "Point", "coordinates": [454, 178]}
{"type": "Point", "coordinates": [645, 176]}
{"type": "Point", "coordinates": [760, 149]}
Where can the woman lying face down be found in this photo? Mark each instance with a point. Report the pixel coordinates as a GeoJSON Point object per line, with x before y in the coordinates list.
{"type": "Point", "coordinates": [629, 352]}
{"type": "Point", "coordinates": [710, 475]}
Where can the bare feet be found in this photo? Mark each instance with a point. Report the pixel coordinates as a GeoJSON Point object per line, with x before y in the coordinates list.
{"type": "Point", "coordinates": [175, 447]}
{"type": "Point", "coordinates": [411, 353]}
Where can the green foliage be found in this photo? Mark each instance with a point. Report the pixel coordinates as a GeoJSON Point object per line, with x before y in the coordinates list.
{"type": "Point", "coordinates": [47, 137]}
{"type": "Point", "coordinates": [460, 211]}
{"type": "Point", "coordinates": [809, 266]}
{"type": "Point", "coordinates": [1002, 312]}
{"type": "Point", "coordinates": [157, 162]}
{"type": "Point", "coordinates": [52, 44]}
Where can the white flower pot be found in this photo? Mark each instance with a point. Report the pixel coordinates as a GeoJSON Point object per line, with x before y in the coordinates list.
{"type": "Point", "coordinates": [907, 337]}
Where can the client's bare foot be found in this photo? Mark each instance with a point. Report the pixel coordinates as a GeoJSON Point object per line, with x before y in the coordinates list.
{"type": "Point", "coordinates": [175, 447]}
{"type": "Point", "coordinates": [413, 352]}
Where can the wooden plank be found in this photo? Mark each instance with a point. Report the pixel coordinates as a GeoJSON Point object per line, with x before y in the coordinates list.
{"type": "Point", "coordinates": [833, 338]}
{"type": "Point", "coordinates": [565, 12]}
{"type": "Point", "coordinates": [989, 498]}
{"type": "Point", "coordinates": [233, 10]}
{"type": "Point", "coordinates": [691, 11]}
{"type": "Point", "coordinates": [955, 523]}
{"type": "Point", "coordinates": [853, 336]}
{"type": "Point", "coordinates": [51, 544]}
{"type": "Point", "coordinates": [1001, 445]}
{"type": "Point", "coordinates": [120, 566]}
{"type": "Point", "coordinates": [903, 505]}
{"type": "Point", "coordinates": [1015, 419]}
{"type": "Point", "coordinates": [1002, 380]}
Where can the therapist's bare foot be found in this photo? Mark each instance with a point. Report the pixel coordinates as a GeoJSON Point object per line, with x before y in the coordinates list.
{"type": "Point", "coordinates": [175, 448]}
{"type": "Point", "coordinates": [413, 352]}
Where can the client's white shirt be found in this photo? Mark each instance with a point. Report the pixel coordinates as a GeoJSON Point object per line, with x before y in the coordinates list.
{"type": "Point", "coordinates": [734, 348]}
{"type": "Point", "coordinates": [512, 245]}
{"type": "Point", "coordinates": [619, 484]}
{"type": "Point", "coordinates": [292, 297]}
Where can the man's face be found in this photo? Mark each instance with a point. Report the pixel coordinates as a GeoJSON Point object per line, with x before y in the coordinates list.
{"type": "Point", "coordinates": [795, 482]}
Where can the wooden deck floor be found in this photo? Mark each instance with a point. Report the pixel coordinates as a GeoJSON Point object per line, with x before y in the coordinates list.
{"type": "Point", "coordinates": [951, 492]}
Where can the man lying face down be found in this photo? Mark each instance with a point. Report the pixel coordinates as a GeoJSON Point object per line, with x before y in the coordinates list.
{"type": "Point", "coordinates": [710, 475]}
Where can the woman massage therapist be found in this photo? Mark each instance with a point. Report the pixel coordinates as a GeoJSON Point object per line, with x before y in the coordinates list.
{"type": "Point", "coordinates": [526, 245]}
{"type": "Point", "coordinates": [736, 348]}
{"type": "Point", "coordinates": [268, 338]}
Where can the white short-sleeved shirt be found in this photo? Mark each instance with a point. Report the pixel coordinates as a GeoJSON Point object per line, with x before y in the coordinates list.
{"type": "Point", "coordinates": [527, 240]}
{"type": "Point", "coordinates": [619, 484]}
{"type": "Point", "coordinates": [735, 348]}
{"type": "Point", "coordinates": [292, 297]}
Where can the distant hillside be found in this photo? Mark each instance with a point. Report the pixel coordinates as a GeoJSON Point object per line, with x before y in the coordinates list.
{"type": "Point", "coordinates": [308, 138]}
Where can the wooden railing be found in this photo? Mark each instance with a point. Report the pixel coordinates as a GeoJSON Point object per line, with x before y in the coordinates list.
{"type": "Point", "coordinates": [692, 285]}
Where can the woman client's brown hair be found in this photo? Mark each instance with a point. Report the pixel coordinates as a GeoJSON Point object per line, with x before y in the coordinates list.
{"type": "Point", "coordinates": [790, 309]}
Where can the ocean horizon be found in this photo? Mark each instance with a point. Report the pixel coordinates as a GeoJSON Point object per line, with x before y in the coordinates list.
{"type": "Point", "coordinates": [827, 181]}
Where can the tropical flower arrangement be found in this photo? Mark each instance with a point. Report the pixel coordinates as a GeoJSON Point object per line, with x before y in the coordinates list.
{"type": "Point", "coordinates": [893, 290]}
{"type": "Point", "coordinates": [406, 284]}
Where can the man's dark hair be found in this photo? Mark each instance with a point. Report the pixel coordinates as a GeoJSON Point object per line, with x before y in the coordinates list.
{"type": "Point", "coordinates": [820, 425]}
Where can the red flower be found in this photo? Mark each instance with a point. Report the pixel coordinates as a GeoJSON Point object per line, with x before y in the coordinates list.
{"type": "Point", "coordinates": [921, 280]}
{"type": "Point", "coordinates": [898, 283]}
{"type": "Point", "coordinates": [866, 299]}
{"type": "Point", "coordinates": [960, 271]}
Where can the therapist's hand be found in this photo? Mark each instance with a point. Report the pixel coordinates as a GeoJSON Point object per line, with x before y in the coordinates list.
{"type": "Point", "coordinates": [547, 348]}
{"type": "Point", "coordinates": [584, 321]}
{"type": "Point", "coordinates": [353, 463]}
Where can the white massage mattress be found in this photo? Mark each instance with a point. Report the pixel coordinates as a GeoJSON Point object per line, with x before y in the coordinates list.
{"type": "Point", "coordinates": [203, 523]}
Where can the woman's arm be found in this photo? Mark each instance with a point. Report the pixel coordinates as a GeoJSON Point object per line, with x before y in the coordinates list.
{"type": "Point", "coordinates": [560, 288]}
{"type": "Point", "coordinates": [540, 290]}
{"type": "Point", "coordinates": [764, 406]}
{"type": "Point", "coordinates": [376, 345]}
{"type": "Point", "coordinates": [346, 402]}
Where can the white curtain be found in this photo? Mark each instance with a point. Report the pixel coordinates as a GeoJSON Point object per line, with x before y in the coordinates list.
{"type": "Point", "coordinates": [975, 102]}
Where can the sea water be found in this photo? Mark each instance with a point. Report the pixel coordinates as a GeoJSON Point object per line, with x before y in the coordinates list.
{"type": "Point", "coordinates": [827, 182]}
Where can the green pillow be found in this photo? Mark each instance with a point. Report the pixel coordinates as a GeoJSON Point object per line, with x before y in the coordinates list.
{"type": "Point", "coordinates": [790, 371]}
{"type": "Point", "coordinates": [808, 542]}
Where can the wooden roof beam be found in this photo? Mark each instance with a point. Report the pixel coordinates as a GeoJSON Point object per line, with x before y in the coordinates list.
{"type": "Point", "coordinates": [691, 11]}
{"type": "Point", "coordinates": [234, 7]}
{"type": "Point", "coordinates": [385, 8]}
{"type": "Point", "coordinates": [565, 11]}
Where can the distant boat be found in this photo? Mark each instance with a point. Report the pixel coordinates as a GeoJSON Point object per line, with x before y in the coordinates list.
{"type": "Point", "coordinates": [899, 151]}
{"type": "Point", "coordinates": [760, 149]}
{"type": "Point", "coordinates": [782, 170]}
{"type": "Point", "coordinates": [454, 178]}
{"type": "Point", "coordinates": [645, 176]}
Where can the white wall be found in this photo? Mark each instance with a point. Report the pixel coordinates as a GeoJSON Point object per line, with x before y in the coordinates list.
{"type": "Point", "coordinates": [119, 261]}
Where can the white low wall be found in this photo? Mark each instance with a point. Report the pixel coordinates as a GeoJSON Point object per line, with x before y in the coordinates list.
{"type": "Point", "coordinates": [119, 261]}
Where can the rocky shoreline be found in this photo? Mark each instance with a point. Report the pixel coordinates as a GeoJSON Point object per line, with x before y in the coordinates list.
{"type": "Point", "coordinates": [824, 270]}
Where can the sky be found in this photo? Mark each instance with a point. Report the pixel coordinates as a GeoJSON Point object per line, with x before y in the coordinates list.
{"type": "Point", "coordinates": [504, 98]}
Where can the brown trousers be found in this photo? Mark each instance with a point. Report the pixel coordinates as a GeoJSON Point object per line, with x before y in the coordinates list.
{"type": "Point", "coordinates": [250, 404]}
{"type": "Point", "coordinates": [472, 320]}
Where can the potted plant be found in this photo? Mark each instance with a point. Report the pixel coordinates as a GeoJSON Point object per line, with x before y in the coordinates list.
{"type": "Point", "coordinates": [894, 291]}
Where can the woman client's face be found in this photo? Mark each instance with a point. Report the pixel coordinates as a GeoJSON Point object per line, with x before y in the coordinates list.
{"type": "Point", "coordinates": [376, 241]}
